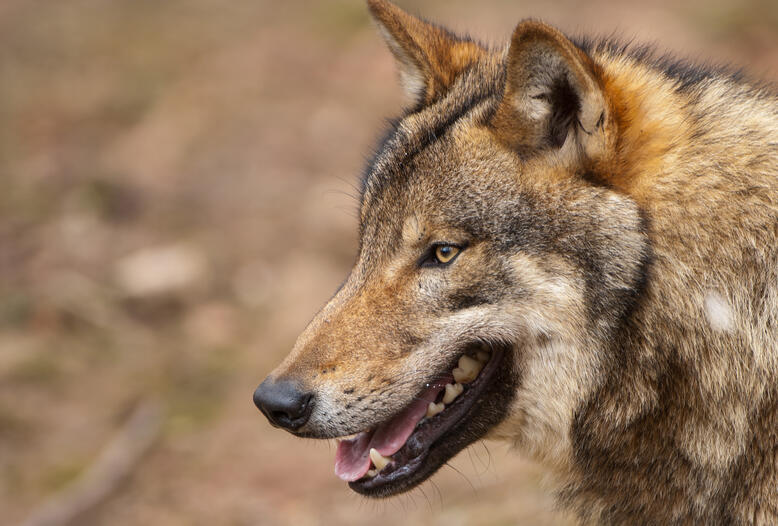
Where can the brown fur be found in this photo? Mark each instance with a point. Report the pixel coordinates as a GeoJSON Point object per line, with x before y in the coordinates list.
{"type": "Point", "coordinates": [619, 218]}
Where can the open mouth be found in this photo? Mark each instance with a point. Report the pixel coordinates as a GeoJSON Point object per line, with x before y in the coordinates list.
{"type": "Point", "coordinates": [449, 413]}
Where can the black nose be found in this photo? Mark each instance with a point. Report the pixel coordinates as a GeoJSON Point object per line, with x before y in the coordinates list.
{"type": "Point", "coordinates": [284, 403]}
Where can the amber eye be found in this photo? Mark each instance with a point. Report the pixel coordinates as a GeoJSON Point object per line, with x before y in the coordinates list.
{"type": "Point", "coordinates": [446, 253]}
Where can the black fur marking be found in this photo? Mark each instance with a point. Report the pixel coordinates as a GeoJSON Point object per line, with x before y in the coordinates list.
{"type": "Point", "coordinates": [619, 302]}
{"type": "Point", "coordinates": [647, 258]}
{"type": "Point", "coordinates": [565, 107]}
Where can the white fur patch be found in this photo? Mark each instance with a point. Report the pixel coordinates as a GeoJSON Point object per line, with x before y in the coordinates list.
{"type": "Point", "coordinates": [718, 312]}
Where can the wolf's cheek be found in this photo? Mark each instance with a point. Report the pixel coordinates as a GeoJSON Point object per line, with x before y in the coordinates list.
{"type": "Point", "coordinates": [557, 368]}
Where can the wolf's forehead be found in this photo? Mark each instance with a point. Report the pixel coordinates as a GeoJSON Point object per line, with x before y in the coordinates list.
{"type": "Point", "coordinates": [472, 97]}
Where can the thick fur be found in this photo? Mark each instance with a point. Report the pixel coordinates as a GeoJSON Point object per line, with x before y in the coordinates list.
{"type": "Point", "coordinates": [619, 217]}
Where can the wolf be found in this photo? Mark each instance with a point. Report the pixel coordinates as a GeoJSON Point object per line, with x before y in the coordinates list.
{"type": "Point", "coordinates": [570, 245]}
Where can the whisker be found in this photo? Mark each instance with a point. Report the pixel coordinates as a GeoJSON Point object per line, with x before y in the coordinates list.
{"type": "Point", "coordinates": [429, 504]}
{"type": "Point", "coordinates": [437, 490]}
{"type": "Point", "coordinates": [488, 453]}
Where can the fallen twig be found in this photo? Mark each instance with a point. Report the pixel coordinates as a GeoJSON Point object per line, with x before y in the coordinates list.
{"type": "Point", "coordinates": [113, 465]}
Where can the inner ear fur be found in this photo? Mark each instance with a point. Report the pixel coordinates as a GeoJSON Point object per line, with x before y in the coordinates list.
{"type": "Point", "coordinates": [553, 97]}
{"type": "Point", "coordinates": [429, 57]}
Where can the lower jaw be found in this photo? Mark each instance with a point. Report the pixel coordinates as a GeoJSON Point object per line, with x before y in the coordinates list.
{"type": "Point", "coordinates": [419, 459]}
{"type": "Point", "coordinates": [404, 478]}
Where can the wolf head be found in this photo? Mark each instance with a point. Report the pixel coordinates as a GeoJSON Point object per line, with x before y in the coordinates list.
{"type": "Point", "coordinates": [493, 263]}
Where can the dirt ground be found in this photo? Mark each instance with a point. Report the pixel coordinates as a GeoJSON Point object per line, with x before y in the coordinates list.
{"type": "Point", "coordinates": [178, 199]}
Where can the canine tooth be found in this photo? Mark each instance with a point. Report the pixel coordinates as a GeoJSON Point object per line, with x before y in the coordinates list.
{"type": "Point", "coordinates": [468, 369]}
{"type": "Point", "coordinates": [433, 409]}
{"type": "Point", "coordinates": [379, 461]}
{"type": "Point", "coordinates": [483, 356]}
{"type": "Point", "coordinates": [452, 391]}
{"type": "Point", "coordinates": [372, 473]}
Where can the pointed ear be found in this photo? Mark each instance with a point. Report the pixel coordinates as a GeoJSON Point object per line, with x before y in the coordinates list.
{"type": "Point", "coordinates": [553, 96]}
{"type": "Point", "coordinates": [429, 57]}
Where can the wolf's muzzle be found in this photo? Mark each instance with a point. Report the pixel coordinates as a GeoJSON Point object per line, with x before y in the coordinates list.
{"type": "Point", "coordinates": [284, 403]}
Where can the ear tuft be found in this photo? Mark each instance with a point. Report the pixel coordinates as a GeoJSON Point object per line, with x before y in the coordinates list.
{"type": "Point", "coordinates": [552, 94]}
{"type": "Point", "coordinates": [429, 57]}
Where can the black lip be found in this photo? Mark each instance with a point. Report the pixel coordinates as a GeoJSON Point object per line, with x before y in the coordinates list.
{"type": "Point", "coordinates": [438, 439]}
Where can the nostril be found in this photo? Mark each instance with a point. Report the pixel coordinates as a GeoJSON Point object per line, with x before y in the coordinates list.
{"type": "Point", "coordinates": [284, 403]}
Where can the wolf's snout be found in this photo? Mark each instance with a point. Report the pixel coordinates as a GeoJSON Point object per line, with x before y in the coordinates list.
{"type": "Point", "coordinates": [284, 403]}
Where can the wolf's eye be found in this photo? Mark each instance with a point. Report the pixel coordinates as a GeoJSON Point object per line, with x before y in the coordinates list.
{"type": "Point", "coordinates": [441, 255]}
{"type": "Point", "coordinates": [446, 253]}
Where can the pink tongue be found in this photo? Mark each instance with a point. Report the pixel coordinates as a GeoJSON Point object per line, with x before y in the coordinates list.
{"type": "Point", "coordinates": [352, 460]}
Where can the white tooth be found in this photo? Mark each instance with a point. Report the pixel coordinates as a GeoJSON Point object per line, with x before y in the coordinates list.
{"type": "Point", "coordinates": [372, 473]}
{"type": "Point", "coordinates": [483, 356]}
{"type": "Point", "coordinates": [468, 369]}
{"type": "Point", "coordinates": [379, 461]}
{"type": "Point", "coordinates": [433, 409]}
{"type": "Point", "coordinates": [452, 391]}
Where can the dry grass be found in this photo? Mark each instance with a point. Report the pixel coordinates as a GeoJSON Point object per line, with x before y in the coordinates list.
{"type": "Point", "coordinates": [221, 142]}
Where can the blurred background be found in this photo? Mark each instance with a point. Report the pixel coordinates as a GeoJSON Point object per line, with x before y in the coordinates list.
{"type": "Point", "coordinates": [177, 200]}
